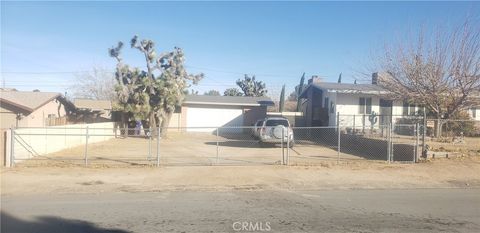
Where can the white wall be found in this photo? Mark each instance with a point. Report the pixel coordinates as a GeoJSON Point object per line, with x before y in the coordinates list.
{"type": "Point", "coordinates": [56, 138]}
{"type": "Point", "coordinates": [347, 106]}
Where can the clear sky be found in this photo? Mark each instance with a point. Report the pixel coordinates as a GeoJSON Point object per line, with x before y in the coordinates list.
{"type": "Point", "coordinates": [43, 44]}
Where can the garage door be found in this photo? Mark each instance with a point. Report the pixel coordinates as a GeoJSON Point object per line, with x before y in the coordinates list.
{"type": "Point", "coordinates": [213, 117]}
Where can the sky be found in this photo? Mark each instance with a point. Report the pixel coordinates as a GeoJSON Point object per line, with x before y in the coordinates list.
{"type": "Point", "coordinates": [45, 45]}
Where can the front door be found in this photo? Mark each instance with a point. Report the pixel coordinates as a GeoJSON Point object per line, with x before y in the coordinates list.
{"type": "Point", "coordinates": [385, 111]}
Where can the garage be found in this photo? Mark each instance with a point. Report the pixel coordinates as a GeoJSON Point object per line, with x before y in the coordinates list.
{"type": "Point", "coordinates": [205, 113]}
{"type": "Point", "coordinates": [213, 117]}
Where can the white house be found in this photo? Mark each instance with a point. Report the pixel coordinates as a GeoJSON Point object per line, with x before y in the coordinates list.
{"type": "Point", "coordinates": [353, 102]}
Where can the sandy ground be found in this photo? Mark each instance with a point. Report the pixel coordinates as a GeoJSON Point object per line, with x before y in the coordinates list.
{"type": "Point", "coordinates": [195, 149]}
{"type": "Point", "coordinates": [440, 173]}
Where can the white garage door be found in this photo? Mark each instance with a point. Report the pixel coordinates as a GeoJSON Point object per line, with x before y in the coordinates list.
{"type": "Point", "coordinates": [213, 117]}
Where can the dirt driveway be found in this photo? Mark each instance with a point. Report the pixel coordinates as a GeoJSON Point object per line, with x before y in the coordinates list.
{"type": "Point", "coordinates": [190, 149]}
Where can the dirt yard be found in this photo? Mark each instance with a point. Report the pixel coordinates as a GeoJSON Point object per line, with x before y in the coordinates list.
{"type": "Point", "coordinates": [189, 149]}
{"type": "Point", "coordinates": [440, 173]}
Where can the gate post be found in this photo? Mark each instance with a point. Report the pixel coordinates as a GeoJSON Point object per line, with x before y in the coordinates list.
{"type": "Point", "coordinates": [288, 145]}
{"type": "Point", "coordinates": [86, 148]}
{"type": "Point", "coordinates": [338, 139]}
{"type": "Point", "coordinates": [283, 150]}
{"type": "Point", "coordinates": [149, 143]}
{"type": "Point", "coordinates": [12, 147]}
{"type": "Point", "coordinates": [158, 146]}
{"type": "Point", "coordinates": [216, 139]}
{"type": "Point", "coordinates": [417, 137]}
{"type": "Point", "coordinates": [389, 134]}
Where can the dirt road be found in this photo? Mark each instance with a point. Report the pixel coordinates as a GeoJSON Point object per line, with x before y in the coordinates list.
{"type": "Point", "coordinates": [442, 195]}
{"type": "Point", "coordinates": [438, 174]}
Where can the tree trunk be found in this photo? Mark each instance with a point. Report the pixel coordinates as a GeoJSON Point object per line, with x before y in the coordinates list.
{"type": "Point", "coordinates": [165, 123]}
{"type": "Point", "coordinates": [438, 127]}
{"type": "Point", "coordinates": [124, 125]}
{"type": "Point", "coordinates": [153, 124]}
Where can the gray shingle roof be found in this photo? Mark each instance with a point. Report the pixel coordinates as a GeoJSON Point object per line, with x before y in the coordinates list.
{"type": "Point", "coordinates": [93, 104]}
{"type": "Point", "coordinates": [228, 100]}
{"type": "Point", "coordinates": [347, 88]}
{"type": "Point", "coordinates": [27, 100]}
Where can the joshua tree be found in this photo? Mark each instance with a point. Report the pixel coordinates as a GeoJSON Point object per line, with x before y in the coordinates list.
{"type": "Point", "coordinates": [212, 92]}
{"type": "Point", "coordinates": [154, 94]}
{"type": "Point", "coordinates": [251, 87]}
{"type": "Point", "coordinates": [232, 92]}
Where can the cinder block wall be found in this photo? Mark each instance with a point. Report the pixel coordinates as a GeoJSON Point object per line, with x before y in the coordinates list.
{"type": "Point", "coordinates": [56, 138]}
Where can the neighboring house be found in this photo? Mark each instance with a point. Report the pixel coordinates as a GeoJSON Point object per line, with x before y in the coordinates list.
{"type": "Point", "coordinates": [218, 111]}
{"type": "Point", "coordinates": [32, 109]}
{"type": "Point", "coordinates": [324, 100]}
{"type": "Point", "coordinates": [89, 110]}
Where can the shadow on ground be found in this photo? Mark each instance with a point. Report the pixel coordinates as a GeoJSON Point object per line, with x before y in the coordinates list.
{"type": "Point", "coordinates": [48, 224]}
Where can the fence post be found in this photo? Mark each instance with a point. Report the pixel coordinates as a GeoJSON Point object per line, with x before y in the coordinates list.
{"type": "Point", "coordinates": [388, 141]}
{"type": "Point", "coordinates": [288, 145]}
{"type": "Point", "coordinates": [283, 150]}
{"type": "Point", "coordinates": [417, 144]}
{"type": "Point", "coordinates": [158, 146]}
{"type": "Point", "coordinates": [217, 144]}
{"type": "Point", "coordinates": [149, 143]}
{"type": "Point", "coordinates": [353, 124]}
{"type": "Point", "coordinates": [12, 147]}
{"type": "Point", "coordinates": [363, 124]}
{"type": "Point", "coordinates": [424, 132]}
{"type": "Point", "coordinates": [392, 150]}
{"type": "Point", "coordinates": [338, 139]}
{"type": "Point", "coordinates": [86, 147]}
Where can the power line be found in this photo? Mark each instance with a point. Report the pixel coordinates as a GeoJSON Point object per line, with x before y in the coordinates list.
{"type": "Point", "coordinates": [187, 66]}
{"type": "Point", "coordinates": [48, 72]}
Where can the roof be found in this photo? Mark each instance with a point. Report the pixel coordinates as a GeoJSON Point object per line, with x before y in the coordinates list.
{"type": "Point", "coordinates": [346, 88]}
{"type": "Point", "coordinates": [93, 104]}
{"type": "Point", "coordinates": [27, 100]}
{"type": "Point", "coordinates": [228, 100]}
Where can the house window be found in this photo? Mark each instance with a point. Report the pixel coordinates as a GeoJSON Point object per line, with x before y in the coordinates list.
{"type": "Point", "coordinates": [474, 113]}
{"type": "Point", "coordinates": [412, 109]}
{"type": "Point", "coordinates": [365, 105]}
{"type": "Point", "coordinates": [408, 109]}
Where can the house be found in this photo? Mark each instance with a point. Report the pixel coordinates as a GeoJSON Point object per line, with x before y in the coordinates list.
{"type": "Point", "coordinates": [353, 102]}
{"type": "Point", "coordinates": [89, 110]}
{"type": "Point", "coordinates": [219, 111]}
{"type": "Point", "coordinates": [32, 108]}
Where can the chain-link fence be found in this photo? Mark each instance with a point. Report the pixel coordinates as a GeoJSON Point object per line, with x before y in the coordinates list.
{"type": "Point", "coordinates": [94, 146]}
